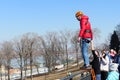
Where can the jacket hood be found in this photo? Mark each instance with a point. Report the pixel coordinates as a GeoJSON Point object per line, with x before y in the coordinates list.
{"type": "Point", "coordinates": [113, 67]}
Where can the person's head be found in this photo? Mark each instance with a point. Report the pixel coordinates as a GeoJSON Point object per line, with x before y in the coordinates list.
{"type": "Point", "coordinates": [78, 15]}
{"type": "Point", "coordinates": [103, 51]}
{"type": "Point", "coordinates": [112, 52]}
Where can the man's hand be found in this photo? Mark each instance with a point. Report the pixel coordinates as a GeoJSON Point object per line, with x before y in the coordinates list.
{"type": "Point", "coordinates": [79, 38]}
{"type": "Point", "coordinates": [92, 45]}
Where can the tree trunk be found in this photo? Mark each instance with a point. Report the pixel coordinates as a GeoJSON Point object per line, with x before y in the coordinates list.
{"type": "Point", "coordinates": [8, 70]}
{"type": "Point", "coordinates": [25, 68]}
{"type": "Point", "coordinates": [31, 61]}
{"type": "Point", "coordinates": [21, 67]}
{"type": "Point", "coordinates": [67, 57]}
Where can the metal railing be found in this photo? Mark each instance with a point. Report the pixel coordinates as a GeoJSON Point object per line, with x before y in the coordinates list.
{"type": "Point", "coordinates": [80, 76]}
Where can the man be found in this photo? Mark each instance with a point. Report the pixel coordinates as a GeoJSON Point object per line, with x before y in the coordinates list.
{"type": "Point", "coordinates": [85, 35]}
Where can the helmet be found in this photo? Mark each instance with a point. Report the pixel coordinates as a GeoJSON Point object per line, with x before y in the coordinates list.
{"type": "Point", "coordinates": [79, 13]}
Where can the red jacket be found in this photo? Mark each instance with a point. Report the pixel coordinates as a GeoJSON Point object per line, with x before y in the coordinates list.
{"type": "Point", "coordinates": [85, 25]}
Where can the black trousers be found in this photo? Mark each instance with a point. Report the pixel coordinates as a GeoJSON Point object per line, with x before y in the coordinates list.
{"type": "Point", "coordinates": [104, 75]}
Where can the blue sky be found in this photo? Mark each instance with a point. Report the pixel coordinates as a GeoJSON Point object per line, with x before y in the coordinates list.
{"type": "Point", "coordinates": [40, 16]}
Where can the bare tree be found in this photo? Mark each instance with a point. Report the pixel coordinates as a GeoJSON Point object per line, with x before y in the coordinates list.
{"type": "Point", "coordinates": [25, 49]}
{"type": "Point", "coordinates": [65, 40]}
{"type": "Point", "coordinates": [7, 49]}
{"type": "Point", "coordinates": [1, 63]}
{"type": "Point", "coordinates": [75, 45]}
{"type": "Point", "coordinates": [20, 49]}
{"type": "Point", "coordinates": [96, 35]}
{"type": "Point", "coordinates": [30, 41]}
{"type": "Point", "coordinates": [50, 49]}
{"type": "Point", "coordinates": [105, 44]}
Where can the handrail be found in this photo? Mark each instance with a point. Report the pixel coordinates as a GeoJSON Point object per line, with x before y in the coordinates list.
{"type": "Point", "coordinates": [82, 77]}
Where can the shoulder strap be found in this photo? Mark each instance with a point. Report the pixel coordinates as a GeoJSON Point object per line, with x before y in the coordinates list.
{"type": "Point", "coordinates": [86, 22]}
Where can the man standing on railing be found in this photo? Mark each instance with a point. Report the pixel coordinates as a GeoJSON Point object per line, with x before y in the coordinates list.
{"type": "Point", "coordinates": [85, 35]}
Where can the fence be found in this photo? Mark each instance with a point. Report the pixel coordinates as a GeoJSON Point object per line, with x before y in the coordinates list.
{"type": "Point", "coordinates": [78, 76]}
